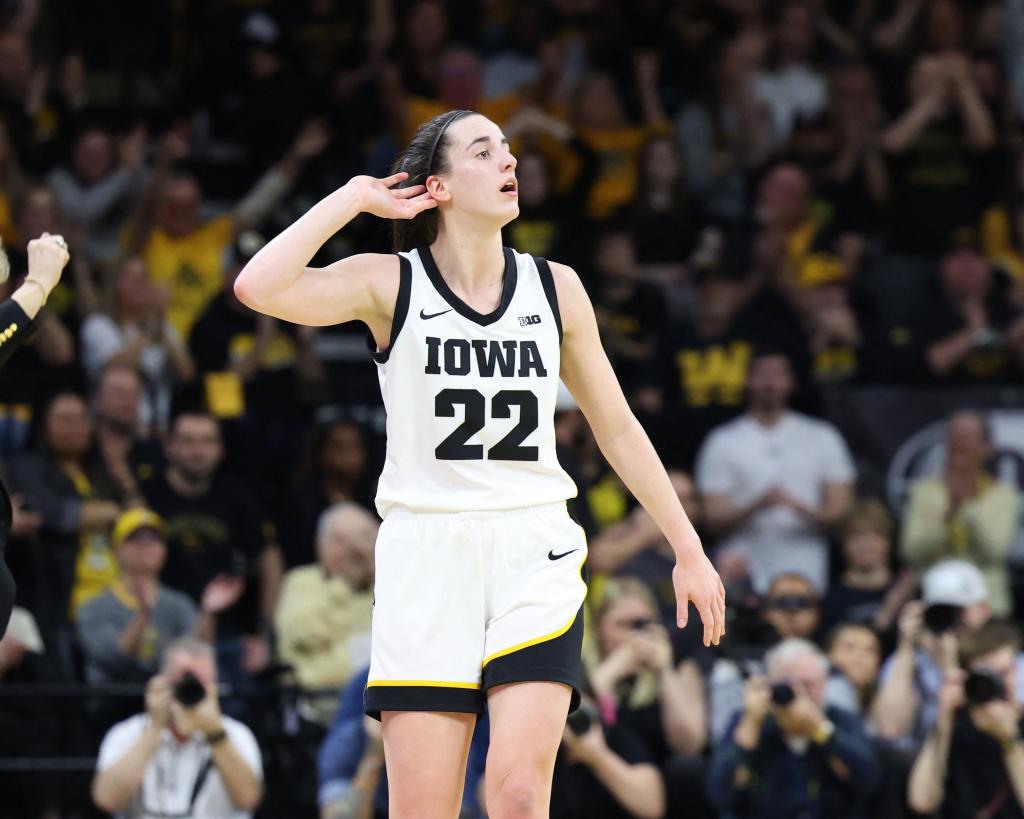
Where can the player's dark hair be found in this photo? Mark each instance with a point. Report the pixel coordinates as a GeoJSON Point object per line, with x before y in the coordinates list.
{"type": "Point", "coordinates": [426, 155]}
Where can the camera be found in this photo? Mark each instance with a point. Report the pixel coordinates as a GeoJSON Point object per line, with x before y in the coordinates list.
{"type": "Point", "coordinates": [189, 691]}
{"type": "Point", "coordinates": [942, 617]}
{"type": "Point", "coordinates": [782, 694]}
{"type": "Point", "coordinates": [984, 686]}
{"type": "Point", "coordinates": [580, 720]}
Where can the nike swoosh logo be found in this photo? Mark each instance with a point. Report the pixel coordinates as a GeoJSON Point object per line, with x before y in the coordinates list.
{"type": "Point", "coordinates": [553, 556]}
{"type": "Point", "coordinates": [425, 315]}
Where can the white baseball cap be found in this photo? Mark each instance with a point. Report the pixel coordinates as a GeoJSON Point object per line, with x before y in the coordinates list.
{"type": "Point", "coordinates": [954, 583]}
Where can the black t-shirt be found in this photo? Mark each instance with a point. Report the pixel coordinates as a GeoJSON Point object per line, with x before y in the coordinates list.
{"type": "Point", "coordinates": [938, 184]}
{"type": "Point", "coordinates": [846, 604]}
{"type": "Point", "coordinates": [576, 792]}
{"type": "Point", "coordinates": [976, 777]}
{"type": "Point", "coordinates": [992, 363]}
{"type": "Point", "coordinates": [221, 336]}
{"type": "Point", "coordinates": [703, 380]}
{"type": "Point", "coordinates": [222, 532]}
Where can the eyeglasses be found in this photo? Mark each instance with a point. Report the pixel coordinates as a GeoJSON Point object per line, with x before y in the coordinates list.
{"type": "Point", "coordinates": [791, 602]}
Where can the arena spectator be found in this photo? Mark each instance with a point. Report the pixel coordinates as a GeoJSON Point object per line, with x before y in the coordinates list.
{"type": "Point", "coordinates": [792, 87]}
{"type": "Point", "coordinates": [73, 562]}
{"type": "Point", "coordinates": [182, 756]}
{"type": "Point", "coordinates": [630, 312]}
{"type": "Point", "coordinates": [855, 651]}
{"type": "Point", "coordinates": [726, 132]}
{"type": "Point", "coordinates": [790, 609]}
{"type": "Point", "coordinates": [128, 456]}
{"type": "Point", "coordinates": [789, 753]}
{"type": "Point", "coordinates": [138, 333]}
{"type": "Point", "coordinates": [605, 771]}
{"type": "Point", "coordinates": [638, 684]}
{"type": "Point", "coordinates": [973, 333]}
{"type": "Point", "coordinates": [868, 591]}
{"type": "Point", "coordinates": [661, 217]}
{"type": "Point", "coordinates": [972, 762]}
{"type": "Point", "coordinates": [333, 469]}
{"type": "Point", "coordinates": [954, 605]}
{"type": "Point", "coordinates": [184, 253]}
{"type": "Point", "coordinates": [938, 148]}
{"type": "Point", "coordinates": [125, 630]}
{"type": "Point", "coordinates": [216, 527]}
{"type": "Point", "coordinates": [775, 481]}
{"type": "Point", "coordinates": [323, 616]}
{"type": "Point", "coordinates": [635, 547]}
{"type": "Point", "coordinates": [101, 185]}
{"type": "Point", "coordinates": [12, 184]}
{"type": "Point", "coordinates": [965, 512]}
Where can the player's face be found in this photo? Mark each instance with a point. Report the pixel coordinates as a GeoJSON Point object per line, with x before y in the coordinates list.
{"type": "Point", "coordinates": [481, 180]}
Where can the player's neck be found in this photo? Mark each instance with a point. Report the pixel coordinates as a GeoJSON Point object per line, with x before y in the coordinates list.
{"type": "Point", "coordinates": [471, 262]}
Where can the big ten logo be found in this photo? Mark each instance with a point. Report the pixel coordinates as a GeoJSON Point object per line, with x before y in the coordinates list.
{"type": "Point", "coordinates": [526, 321]}
{"type": "Point", "coordinates": [923, 454]}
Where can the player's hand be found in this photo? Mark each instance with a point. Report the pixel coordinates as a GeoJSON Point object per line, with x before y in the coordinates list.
{"type": "Point", "coordinates": [381, 198]}
{"type": "Point", "coordinates": [47, 257]}
{"type": "Point", "coordinates": [695, 579]}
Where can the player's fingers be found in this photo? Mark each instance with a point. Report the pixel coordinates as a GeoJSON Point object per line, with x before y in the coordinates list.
{"type": "Point", "coordinates": [394, 179]}
{"type": "Point", "coordinates": [682, 611]}
{"type": "Point", "coordinates": [422, 203]}
{"type": "Point", "coordinates": [708, 619]}
{"type": "Point", "coordinates": [410, 192]}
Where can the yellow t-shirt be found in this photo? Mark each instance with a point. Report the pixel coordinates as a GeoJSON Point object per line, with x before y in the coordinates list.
{"type": "Point", "coordinates": [95, 568]}
{"type": "Point", "coordinates": [618, 150]}
{"type": "Point", "coordinates": [997, 242]}
{"type": "Point", "coordinates": [192, 267]}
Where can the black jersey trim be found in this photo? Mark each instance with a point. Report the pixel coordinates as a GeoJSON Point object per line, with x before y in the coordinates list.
{"type": "Point", "coordinates": [548, 283]}
{"type": "Point", "coordinates": [508, 288]}
{"type": "Point", "coordinates": [401, 311]}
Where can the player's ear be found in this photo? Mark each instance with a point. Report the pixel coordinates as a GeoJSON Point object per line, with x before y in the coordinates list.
{"type": "Point", "coordinates": [437, 188]}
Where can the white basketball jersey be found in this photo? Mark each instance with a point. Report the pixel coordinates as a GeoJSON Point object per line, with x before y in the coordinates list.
{"type": "Point", "coordinates": [470, 398]}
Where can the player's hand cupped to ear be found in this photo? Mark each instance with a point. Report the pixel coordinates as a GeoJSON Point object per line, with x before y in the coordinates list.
{"type": "Point", "coordinates": [381, 198]}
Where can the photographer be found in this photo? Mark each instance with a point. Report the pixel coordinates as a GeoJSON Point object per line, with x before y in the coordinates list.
{"type": "Point", "coordinates": [955, 601]}
{"type": "Point", "coordinates": [182, 757]}
{"type": "Point", "coordinates": [972, 763]}
{"type": "Point", "coordinates": [788, 754]}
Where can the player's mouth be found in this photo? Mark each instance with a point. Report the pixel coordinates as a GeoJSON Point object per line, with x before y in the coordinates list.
{"type": "Point", "coordinates": [511, 187]}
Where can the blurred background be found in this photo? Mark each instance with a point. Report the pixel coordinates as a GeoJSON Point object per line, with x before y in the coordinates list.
{"type": "Point", "coordinates": [802, 227]}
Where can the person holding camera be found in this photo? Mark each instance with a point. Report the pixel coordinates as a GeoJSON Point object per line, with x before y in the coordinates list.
{"type": "Point", "coordinates": [788, 754]}
{"type": "Point", "coordinates": [972, 763]}
{"type": "Point", "coordinates": [182, 757]}
{"type": "Point", "coordinates": [954, 604]}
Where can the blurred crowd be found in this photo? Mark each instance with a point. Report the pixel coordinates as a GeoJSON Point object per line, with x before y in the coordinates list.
{"type": "Point", "coordinates": [770, 202]}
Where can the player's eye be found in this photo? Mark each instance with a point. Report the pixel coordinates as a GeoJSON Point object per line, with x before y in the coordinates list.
{"type": "Point", "coordinates": [483, 154]}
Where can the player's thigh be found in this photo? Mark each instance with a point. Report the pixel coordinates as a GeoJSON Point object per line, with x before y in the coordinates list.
{"type": "Point", "coordinates": [425, 754]}
{"type": "Point", "coordinates": [526, 724]}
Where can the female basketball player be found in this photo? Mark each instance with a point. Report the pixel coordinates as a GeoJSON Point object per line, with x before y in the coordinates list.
{"type": "Point", "coordinates": [478, 567]}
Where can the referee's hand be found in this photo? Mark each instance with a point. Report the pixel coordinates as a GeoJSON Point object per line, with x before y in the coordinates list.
{"type": "Point", "coordinates": [695, 580]}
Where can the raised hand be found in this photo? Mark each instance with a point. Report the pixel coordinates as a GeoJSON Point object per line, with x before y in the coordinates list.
{"type": "Point", "coordinates": [222, 593]}
{"type": "Point", "coordinates": [381, 198]}
{"type": "Point", "coordinates": [47, 257]}
{"type": "Point", "coordinates": [695, 579]}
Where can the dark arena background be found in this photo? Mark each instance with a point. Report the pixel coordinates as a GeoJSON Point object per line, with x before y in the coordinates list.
{"type": "Point", "coordinates": [801, 224]}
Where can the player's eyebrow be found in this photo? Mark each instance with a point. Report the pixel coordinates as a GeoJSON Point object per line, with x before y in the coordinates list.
{"type": "Point", "coordinates": [504, 141]}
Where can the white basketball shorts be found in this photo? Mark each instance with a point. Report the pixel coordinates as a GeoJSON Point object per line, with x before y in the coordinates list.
{"type": "Point", "coordinates": [467, 601]}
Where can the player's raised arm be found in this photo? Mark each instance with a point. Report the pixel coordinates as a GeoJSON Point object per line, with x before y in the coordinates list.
{"type": "Point", "coordinates": [589, 376]}
{"type": "Point", "coordinates": [277, 281]}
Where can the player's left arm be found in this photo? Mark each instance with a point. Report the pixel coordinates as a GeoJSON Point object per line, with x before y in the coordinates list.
{"type": "Point", "coordinates": [588, 374]}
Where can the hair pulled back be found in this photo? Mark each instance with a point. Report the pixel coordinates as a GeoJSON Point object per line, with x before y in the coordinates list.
{"type": "Point", "coordinates": [426, 155]}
